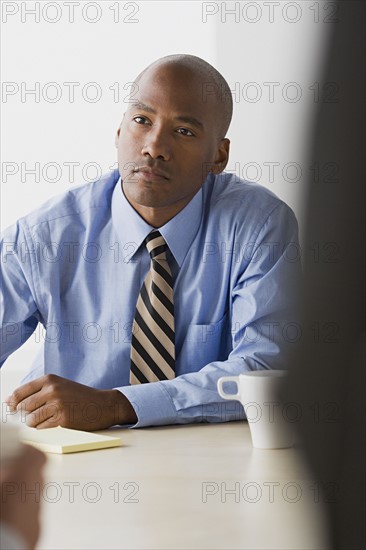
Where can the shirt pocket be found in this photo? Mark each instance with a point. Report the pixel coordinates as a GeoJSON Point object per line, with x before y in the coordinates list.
{"type": "Point", "coordinates": [205, 343]}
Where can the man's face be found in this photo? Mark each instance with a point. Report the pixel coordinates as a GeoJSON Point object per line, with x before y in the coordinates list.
{"type": "Point", "coordinates": [168, 140]}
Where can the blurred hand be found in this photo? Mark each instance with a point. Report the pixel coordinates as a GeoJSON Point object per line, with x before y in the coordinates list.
{"type": "Point", "coordinates": [21, 483]}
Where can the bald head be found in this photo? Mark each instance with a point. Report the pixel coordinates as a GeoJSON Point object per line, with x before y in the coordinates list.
{"type": "Point", "coordinates": [212, 84]}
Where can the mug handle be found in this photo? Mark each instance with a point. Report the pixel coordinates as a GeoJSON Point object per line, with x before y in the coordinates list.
{"type": "Point", "coordinates": [221, 391]}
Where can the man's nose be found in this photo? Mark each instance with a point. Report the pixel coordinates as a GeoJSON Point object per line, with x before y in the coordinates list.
{"type": "Point", "coordinates": [157, 144]}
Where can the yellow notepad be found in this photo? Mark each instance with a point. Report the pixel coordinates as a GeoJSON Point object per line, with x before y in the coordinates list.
{"type": "Point", "coordinates": [63, 440]}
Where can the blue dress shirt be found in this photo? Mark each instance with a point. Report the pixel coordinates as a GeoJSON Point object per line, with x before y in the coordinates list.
{"type": "Point", "coordinates": [76, 266]}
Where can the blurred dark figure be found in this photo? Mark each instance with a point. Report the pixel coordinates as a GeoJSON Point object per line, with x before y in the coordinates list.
{"type": "Point", "coordinates": [327, 376]}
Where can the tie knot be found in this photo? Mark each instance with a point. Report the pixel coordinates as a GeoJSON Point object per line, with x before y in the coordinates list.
{"type": "Point", "coordinates": [156, 245]}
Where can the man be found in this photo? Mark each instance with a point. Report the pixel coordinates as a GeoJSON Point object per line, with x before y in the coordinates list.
{"type": "Point", "coordinates": [217, 280]}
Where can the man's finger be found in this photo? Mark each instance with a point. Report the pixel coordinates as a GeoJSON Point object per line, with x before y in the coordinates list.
{"type": "Point", "coordinates": [19, 394]}
{"type": "Point", "coordinates": [49, 414]}
{"type": "Point", "coordinates": [49, 423]}
{"type": "Point", "coordinates": [32, 403]}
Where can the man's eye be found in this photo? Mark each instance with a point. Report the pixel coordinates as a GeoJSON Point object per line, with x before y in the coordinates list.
{"type": "Point", "coordinates": [185, 132]}
{"type": "Point", "coordinates": [140, 119]}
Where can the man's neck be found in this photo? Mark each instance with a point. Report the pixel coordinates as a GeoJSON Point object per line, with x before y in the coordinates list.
{"type": "Point", "coordinates": [157, 216]}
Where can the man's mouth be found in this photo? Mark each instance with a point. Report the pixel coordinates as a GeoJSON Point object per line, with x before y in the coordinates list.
{"type": "Point", "coordinates": [151, 174]}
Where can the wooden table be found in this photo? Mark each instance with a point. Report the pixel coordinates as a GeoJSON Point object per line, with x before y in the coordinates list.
{"type": "Point", "coordinates": [185, 487]}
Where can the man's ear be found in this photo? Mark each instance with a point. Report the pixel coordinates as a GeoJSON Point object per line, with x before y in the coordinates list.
{"type": "Point", "coordinates": [117, 137]}
{"type": "Point", "coordinates": [222, 157]}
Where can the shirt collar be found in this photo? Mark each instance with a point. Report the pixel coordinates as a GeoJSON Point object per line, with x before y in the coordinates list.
{"type": "Point", "coordinates": [132, 229]}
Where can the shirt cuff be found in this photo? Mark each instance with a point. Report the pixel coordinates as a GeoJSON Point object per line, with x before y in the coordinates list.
{"type": "Point", "coordinates": [152, 404]}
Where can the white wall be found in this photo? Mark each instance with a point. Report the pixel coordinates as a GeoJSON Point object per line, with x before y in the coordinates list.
{"type": "Point", "coordinates": [271, 54]}
{"type": "Point", "coordinates": [54, 134]}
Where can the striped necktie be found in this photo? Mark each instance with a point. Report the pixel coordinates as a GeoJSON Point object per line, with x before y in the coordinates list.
{"type": "Point", "coordinates": [152, 344]}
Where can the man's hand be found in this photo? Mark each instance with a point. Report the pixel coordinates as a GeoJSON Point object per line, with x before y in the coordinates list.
{"type": "Point", "coordinates": [52, 401]}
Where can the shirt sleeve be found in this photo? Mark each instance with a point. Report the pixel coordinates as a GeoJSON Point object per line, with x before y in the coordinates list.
{"type": "Point", "coordinates": [263, 324]}
{"type": "Point", "coordinates": [19, 315]}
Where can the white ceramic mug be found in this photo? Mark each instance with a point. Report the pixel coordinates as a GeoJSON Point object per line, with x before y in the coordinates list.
{"type": "Point", "coordinates": [257, 392]}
